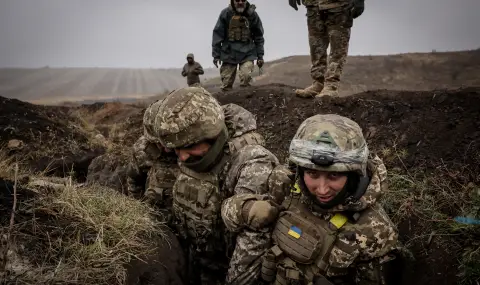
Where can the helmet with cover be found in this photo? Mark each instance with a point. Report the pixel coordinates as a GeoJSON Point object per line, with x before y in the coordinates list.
{"type": "Point", "coordinates": [186, 117]}
{"type": "Point", "coordinates": [332, 143]}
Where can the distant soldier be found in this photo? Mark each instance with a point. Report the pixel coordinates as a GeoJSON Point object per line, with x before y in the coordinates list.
{"type": "Point", "coordinates": [329, 22]}
{"type": "Point", "coordinates": [192, 70]}
{"type": "Point", "coordinates": [237, 40]}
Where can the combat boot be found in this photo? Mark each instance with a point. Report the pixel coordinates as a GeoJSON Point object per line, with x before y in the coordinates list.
{"type": "Point", "coordinates": [329, 90]}
{"type": "Point", "coordinates": [311, 91]}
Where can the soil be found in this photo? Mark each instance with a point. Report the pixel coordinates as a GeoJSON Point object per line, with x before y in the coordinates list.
{"type": "Point", "coordinates": [166, 266]}
{"type": "Point", "coordinates": [436, 129]}
{"type": "Point", "coordinates": [52, 139]}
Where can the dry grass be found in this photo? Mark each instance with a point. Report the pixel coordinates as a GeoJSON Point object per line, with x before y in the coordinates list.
{"type": "Point", "coordinates": [429, 202]}
{"type": "Point", "coordinates": [73, 234]}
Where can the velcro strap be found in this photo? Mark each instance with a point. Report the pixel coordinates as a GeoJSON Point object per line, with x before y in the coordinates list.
{"type": "Point", "coordinates": [338, 220]}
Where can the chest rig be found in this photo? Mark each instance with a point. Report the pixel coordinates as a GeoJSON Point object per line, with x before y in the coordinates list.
{"type": "Point", "coordinates": [239, 29]}
{"type": "Point", "coordinates": [197, 199]}
{"type": "Point", "coordinates": [302, 245]}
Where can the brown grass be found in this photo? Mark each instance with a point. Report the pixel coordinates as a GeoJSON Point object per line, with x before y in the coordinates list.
{"type": "Point", "coordinates": [73, 234]}
{"type": "Point", "coordinates": [431, 201]}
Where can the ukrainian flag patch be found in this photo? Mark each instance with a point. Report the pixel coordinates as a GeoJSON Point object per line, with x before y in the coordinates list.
{"type": "Point", "coordinates": [295, 232]}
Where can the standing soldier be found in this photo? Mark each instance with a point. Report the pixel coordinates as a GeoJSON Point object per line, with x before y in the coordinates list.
{"type": "Point", "coordinates": [237, 40]}
{"type": "Point", "coordinates": [329, 22]}
{"type": "Point", "coordinates": [192, 70]}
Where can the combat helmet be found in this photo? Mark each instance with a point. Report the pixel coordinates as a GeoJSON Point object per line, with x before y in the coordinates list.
{"type": "Point", "coordinates": [334, 143]}
{"type": "Point", "coordinates": [185, 117]}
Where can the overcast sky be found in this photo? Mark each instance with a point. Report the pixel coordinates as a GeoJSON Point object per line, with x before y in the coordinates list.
{"type": "Point", "coordinates": [159, 33]}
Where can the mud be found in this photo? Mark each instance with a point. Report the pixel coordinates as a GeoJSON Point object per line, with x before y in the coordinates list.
{"type": "Point", "coordinates": [52, 139]}
{"type": "Point", "coordinates": [436, 129]}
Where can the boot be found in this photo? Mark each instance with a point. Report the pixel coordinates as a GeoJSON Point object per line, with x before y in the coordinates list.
{"type": "Point", "coordinates": [329, 90]}
{"type": "Point", "coordinates": [311, 91]}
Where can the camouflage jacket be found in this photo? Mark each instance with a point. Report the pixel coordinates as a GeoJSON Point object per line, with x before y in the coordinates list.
{"type": "Point", "coordinates": [248, 46]}
{"type": "Point", "coordinates": [359, 248]}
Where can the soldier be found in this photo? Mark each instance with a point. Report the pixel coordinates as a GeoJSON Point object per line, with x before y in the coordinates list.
{"type": "Point", "coordinates": [152, 171]}
{"type": "Point", "coordinates": [329, 22]}
{"type": "Point", "coordinates": [237, 40]}
{"type": "Point", "coordinates": [221, 159]}
{"type": "Point", "coordinates": [332, 229]}
{"type": "Point", "coordinates": [192, 69]}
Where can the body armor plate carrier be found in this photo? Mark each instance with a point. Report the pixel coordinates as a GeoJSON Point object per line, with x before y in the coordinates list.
{"type": "Point", "coordinates": [302, 246]}
{"type": "Point", "coordinates": [239, 29]}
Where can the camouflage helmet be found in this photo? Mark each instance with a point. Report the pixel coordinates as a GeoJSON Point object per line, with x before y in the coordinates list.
{"type": "Point", "coordinates": [186, 116]}
{"type": "Point", "coordinates": [149, 123]}
{"type": "Point", "coordinates": [329, 143]}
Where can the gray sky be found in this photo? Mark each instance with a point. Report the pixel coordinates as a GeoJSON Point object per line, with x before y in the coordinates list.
{"type": "Point", "coordinates": [159, 33]}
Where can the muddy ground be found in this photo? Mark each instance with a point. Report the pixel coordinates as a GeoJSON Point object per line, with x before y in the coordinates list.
{"type": "Point", "coordinates": [428, 131]}
{"type": "Point", "coordinates": [51, 139]}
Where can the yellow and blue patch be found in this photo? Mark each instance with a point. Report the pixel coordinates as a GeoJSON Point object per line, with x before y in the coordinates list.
{"type": "Point", "coordinates": [295, 232]}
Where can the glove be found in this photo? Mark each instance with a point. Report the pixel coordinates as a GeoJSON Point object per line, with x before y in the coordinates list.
{"type": "Point", "coordinates": [294, 4]}
{"type": "Point", "coordinates": [358, 8]}
{"type": "Point", "coordinates": [216, 61]}
{"type": "Point", "coordinates": [260, 62]}
{"type": "Point", "coordinates": [259, 214]}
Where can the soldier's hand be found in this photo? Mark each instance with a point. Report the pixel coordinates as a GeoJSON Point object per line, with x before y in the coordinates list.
{"type": "Point", "coordinates": [216, 61]}
{"type": "Point", "coordinates": [259, 214]}
{"type": "Point", "coordinates": [260, 62]}
{"type": "Point", "coordinates": [294, 4]}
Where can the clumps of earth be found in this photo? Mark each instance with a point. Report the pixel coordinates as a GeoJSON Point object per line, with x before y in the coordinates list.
{"type": "Point", "coordinates": [66, 156]}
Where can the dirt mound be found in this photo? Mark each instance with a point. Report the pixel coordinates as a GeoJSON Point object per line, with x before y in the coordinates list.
{"type": "Point", "coordinates": [433, 128]}
{"type": "Point", "coordinates": [48, 138]}
{"type": "Point", "coordinates": [83, 235]}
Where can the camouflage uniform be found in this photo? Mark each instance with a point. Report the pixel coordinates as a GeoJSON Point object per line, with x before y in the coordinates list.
{"type": "Point", "coordinates": [237, 41]}
{"type": "Point", "coordinates": [235, 164]}
{"type": "Point", "coordinates": [349, 242]}
{"type": "Point", "coordinates": [192, 72]}
{"type": "Point", "coordinates": [329, 23]}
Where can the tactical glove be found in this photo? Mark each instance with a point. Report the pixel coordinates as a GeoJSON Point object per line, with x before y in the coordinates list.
{"type": "Point", "coordinates": [260, 63]}
{"type": "Point", "coordinates": [259, 214]}
{"type": "Point", "coordinates": [358, 8]}
{"type": "Point", "coordinates": [216, 61]}
{"type": "Point", "coordinates": [294, 4]}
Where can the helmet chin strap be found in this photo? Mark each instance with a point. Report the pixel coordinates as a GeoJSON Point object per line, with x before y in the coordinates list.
{"type": "Point", "coordinates": [354, 189]}
{"type": "Point", "coordinates": [212, 157]}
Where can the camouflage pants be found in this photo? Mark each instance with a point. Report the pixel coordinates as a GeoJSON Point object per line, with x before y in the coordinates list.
{"type": "Point", "coordinates": [228, 72]}
{"type": "Point", "coordinates": [246, 262]}
{"type": "Point", "coordinates": [325, 28]}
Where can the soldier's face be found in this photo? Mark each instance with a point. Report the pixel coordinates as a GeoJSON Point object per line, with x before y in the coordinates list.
{"type": "Point", "coordinates": [193, 152]}
{"type": "Point", "coordinates": [239, 5]}
{"type": "Point", "coordinates": [189, 59]}
{"type": "Point", "coordinates": [324, 185]}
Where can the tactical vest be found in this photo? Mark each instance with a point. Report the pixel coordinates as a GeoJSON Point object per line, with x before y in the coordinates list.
{"type": "Point", "coordinates": [239, 29]}
{"type": "Point", "coordinates": [302, 245]}
{"type": "Point", "coordinates": [197, 199]}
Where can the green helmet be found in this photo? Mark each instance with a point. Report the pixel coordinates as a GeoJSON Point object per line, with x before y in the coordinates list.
{"type": "Point", "coordinates": [186, 116]}
{"type": "Point", "coordinates": [330, 143]}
